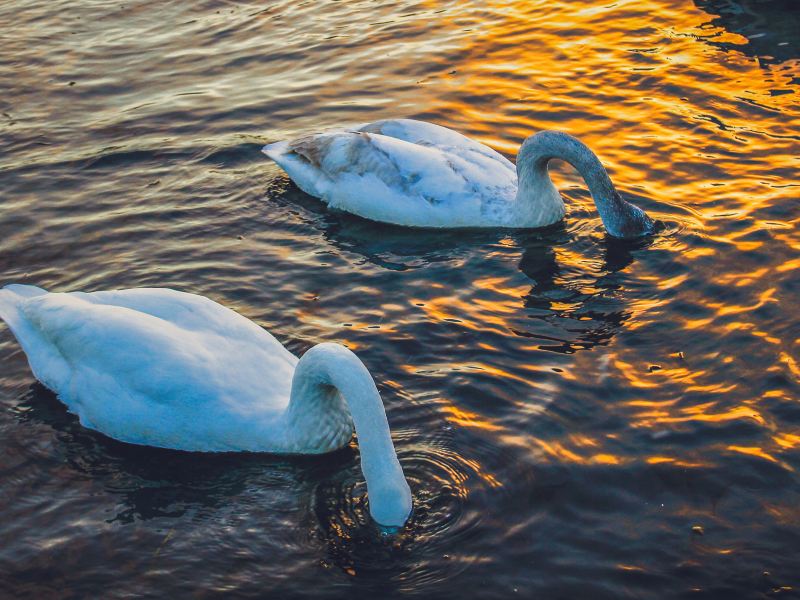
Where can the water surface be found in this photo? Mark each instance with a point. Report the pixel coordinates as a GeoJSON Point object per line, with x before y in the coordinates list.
{"type": "Point", "coordinates": [578, 416]}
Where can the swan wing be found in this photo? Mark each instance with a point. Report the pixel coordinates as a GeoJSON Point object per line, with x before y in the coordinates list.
{"type": "Point", "coordinates": [158, 367]}
{"type": "Point", "coordinates": [393, 180]}
{"type": "Point", "coordinates": [429, 134]}
{"type": "Point", "coordinates": [191, 312]}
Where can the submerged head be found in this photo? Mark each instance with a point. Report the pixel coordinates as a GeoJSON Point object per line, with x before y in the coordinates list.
{"type": "Point", "coordinates": [625, 220]}
{"type": "Point", "coordinates": [390, 504]}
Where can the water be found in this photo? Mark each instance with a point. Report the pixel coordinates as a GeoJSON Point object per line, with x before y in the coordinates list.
{"type": "Point", "coordinates": [577, 416]}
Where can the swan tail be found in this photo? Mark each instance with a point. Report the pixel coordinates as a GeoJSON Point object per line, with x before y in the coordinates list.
{"type": "Point", "coordinates": [10, 298]}
{"type": "Point", "coordinates": [302, 167]}
{"type": "Point", "coordinates": [45, 362]}
{"type": "Point", "coordinates": [276, 150]}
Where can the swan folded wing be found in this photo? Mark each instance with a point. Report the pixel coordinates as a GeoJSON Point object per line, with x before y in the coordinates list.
{"type": "Point", "coordinates": [391, 180]}
{"type": "Point", "coordinates": [193, 313]}
{"type": "Point", "coordinates": [430, 134]}
{"type": "Point", "coordinates": [144, 354]}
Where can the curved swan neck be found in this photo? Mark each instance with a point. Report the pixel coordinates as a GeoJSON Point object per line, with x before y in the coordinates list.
{"type": "Point", "coordinates": [326, 374]}
{"type": "Point", "coordinates": [620, 218]}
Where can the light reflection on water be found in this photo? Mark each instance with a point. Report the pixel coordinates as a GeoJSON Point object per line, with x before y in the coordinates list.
{"type": "Point", "coordinates": [567, 406]}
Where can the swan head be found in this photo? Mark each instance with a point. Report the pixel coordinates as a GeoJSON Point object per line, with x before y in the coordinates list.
{"type": "Point", "coordinates": [390, 502]}
{"type": "Point", "coordinates": [625, 220]}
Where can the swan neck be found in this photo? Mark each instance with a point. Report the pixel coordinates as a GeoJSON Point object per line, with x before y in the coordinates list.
{"type": "Point", "coordinates": [620, 218]}
{"type": "Point", "coordinates": [332, 374]}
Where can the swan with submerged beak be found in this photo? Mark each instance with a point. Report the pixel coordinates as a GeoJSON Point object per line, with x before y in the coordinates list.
{"type": "Point", "coordinates": [418, 174]}
{"type": "Point", "coordinates": [164, 368]}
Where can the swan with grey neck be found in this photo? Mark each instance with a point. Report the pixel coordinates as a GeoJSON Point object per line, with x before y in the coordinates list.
{"type": "Point", "coordinates": [164, 368]}
{"type": "Point", "coordinates": [418, 174]}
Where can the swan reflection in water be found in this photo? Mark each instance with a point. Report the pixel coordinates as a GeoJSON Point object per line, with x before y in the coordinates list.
{"type": "Point", "coordinates": [561, 294]}
{"type": "Point", "coordinates": [152, 483]}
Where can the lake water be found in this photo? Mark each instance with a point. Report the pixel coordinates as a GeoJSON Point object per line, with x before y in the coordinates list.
{"type": "Point", "coordinates": [578, 416]}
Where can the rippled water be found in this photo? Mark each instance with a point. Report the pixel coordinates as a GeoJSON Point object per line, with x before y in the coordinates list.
{"type": "Point", "coordinates": [578, 416]}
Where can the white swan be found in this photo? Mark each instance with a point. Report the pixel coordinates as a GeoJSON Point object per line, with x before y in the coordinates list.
{"type": "Point", "coordinates": [175, 370]}
{"type": "Point", "coordinates": [419, 174]}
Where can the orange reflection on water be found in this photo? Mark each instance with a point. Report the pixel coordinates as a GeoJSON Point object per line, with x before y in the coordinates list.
{"type": "Point", "coordinates": [560, 452]}
{"type": "Point", "coordinates": [788, 441]}
{"type": "Point", "coordinates": [791, 363]}
{"type": "Point", "coordinates": [654, 418]}
{"type": "Point", "coordinates": [753, 451]}
{"type": "Point", "coordinates": [455, 310]}
{"type": "Point", "coordinates": [601, 61]}
{"type": "Point", "coordinates": [667, 100]}
{"type": "Point", "coordinates": [656, 460]}
{"type": "Point", "coordinates": [465, 418]}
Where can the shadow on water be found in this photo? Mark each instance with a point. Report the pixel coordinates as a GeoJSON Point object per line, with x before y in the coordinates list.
{"type": "Point", "coordinates": [387, 246]}
{"type": "Point", "coordinates": [772, 27]}
{"type": "Point", "coordinates": [156, 482]}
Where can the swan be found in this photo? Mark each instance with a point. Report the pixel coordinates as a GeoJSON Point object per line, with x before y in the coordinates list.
{"type": "Point", "coordinates": [418, 174]}
{"type": "Point", "coordinates": [176, 370]}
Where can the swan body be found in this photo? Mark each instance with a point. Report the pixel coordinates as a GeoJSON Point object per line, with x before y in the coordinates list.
{"type": "Point", "coordinates": [164, 368]}
{"type": "Point", "coordinates": [418, 174]}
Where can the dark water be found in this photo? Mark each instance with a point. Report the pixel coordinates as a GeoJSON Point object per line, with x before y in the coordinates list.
{"type": "Point", "coordinates": [578, 417]}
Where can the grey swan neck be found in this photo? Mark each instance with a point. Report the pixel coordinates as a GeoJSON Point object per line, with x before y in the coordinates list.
{"type": "Point", "coordinates": [620, 218]}
{"type": "Point", "coordinates": [329, 383]}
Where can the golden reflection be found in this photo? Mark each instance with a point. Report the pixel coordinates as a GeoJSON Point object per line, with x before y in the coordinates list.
{"type": "Point", "coordinates": [466, 418]}
{"type": "Point", "coordinates": [455, 310]}
{"type": "Point", "coordinates": [787, 441]}
{"type": "Point", "coordinates": [656, 460]}
{"type": "Point", "coordinates": [656, 418]}
{"type": "Point", "coordinates": [671, 124]}
{"type": "Point", "coordinates": [607, 97]}
{"type": "Point", "coordinates": [490, 479]}
{"type": "Point", "coordinates": [783, 514]}
{"type": "Point", "coordinates": [753, 451]}
{"type": "Point", "coordinates": [791, 363]}
{"type": "Point", "coordinates": [606, 459]}
{"type": "Point", "coordinates": [560, 452]}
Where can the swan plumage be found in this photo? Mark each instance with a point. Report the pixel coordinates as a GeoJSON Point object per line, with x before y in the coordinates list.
{"type": "Point", "coordinates": [170, 369]}
{"type": "Point", "coordinates": [420, 174]}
